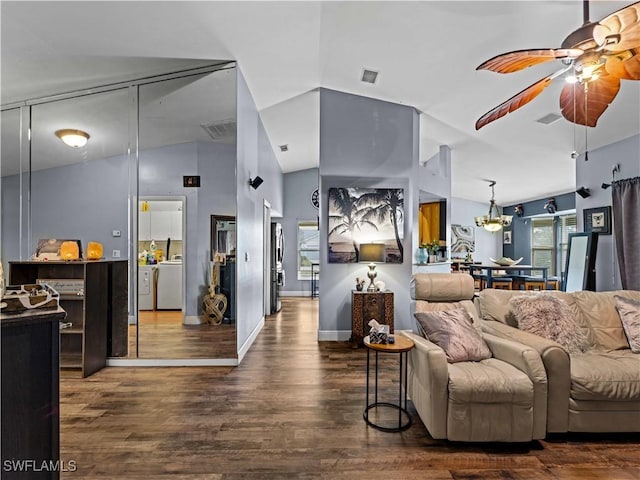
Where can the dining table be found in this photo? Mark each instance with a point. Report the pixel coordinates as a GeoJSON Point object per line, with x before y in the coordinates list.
{"type": "Point", "coordinates": [518, 269]}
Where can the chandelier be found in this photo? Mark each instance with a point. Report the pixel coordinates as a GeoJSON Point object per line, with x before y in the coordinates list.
{"type": "Point", "coordinates": [493, 221]}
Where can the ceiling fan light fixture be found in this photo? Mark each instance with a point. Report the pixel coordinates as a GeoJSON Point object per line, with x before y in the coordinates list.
{"type": "Point", "coordinates": [571, 79]}
{"type": "Point", "coordinates": [73, 138]}
{"type": "Point", "coordinates": [493, 221]}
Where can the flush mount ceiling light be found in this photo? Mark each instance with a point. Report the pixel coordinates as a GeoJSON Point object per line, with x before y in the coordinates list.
{"type": "Point", "coordinates": [73, 138]}
{"type": "Point", "coordinates": [493, 221]}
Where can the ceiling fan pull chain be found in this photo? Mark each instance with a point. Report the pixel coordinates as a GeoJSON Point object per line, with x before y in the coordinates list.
{"type": "Point", "coordinates": [586, 128]}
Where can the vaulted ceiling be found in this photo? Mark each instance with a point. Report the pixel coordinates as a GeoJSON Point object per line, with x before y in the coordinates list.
{"type": "Point", "coordinates": [425, 52]}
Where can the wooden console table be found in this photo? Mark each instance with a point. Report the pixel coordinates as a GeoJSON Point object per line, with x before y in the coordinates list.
{"type": "Point", "coordinates": [366, 306]}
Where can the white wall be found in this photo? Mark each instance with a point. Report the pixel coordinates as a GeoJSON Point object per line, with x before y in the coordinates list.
{"type": "Point", "coordinates": [591, 174]}
{"type": "Point", "coordinates": [365, 143]}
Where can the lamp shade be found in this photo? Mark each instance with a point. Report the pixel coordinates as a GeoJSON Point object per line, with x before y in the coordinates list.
{"type": "Point", "coordinates": [372, 252]}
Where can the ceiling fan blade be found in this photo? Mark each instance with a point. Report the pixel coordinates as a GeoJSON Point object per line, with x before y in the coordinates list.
{"type": "Point", "coordinates": [620, 30]}
{"type": "Point", "coordinates": [515, 102]}
{"type": "Point", "coordinates": [587, 109]}
{"type": "Point", "coordinates": [625, 65]}
{"type": "Point", "coordinates": [520, 59]}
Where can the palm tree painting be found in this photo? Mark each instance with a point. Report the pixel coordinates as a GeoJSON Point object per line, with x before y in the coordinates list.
{"type": "Point", "coordinates": [365, 215]}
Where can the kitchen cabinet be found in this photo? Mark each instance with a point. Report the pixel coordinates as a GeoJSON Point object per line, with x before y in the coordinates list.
{"type": "Point", "coordinates": [160, 225]}
{"type": "Point", "coordinates": [144, 226]}
{"type": "Point", "coordinates": [163, 225]}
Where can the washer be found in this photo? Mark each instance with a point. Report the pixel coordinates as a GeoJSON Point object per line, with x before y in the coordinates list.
{"type": "Point", "coordinates": [169, 288]}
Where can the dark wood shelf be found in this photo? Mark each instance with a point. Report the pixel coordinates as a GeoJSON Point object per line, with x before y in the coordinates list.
{"type": "Point", "coordinates": [84, 345]}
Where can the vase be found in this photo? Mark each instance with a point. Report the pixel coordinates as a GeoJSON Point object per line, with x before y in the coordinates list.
{"type": "Point", "coordinates": [422, 255]}
{"type": "Point", "coordinates": [433, 258]}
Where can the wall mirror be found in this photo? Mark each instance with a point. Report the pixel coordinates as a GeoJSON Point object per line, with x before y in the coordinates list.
{"type": "Point", "coordinates": [581, 260]}
{"type": "Point", "coordinates": [182, 123]}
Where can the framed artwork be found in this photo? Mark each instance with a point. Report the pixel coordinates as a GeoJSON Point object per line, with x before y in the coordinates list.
{"type": "Point", "coordinates": [506, 237]}
{"type": "Point", "coordinates": [365, 215]}
{"type": "Point", "coordinates": [597, 220]}
{"type": "Point", "coordinates": [462, 239]}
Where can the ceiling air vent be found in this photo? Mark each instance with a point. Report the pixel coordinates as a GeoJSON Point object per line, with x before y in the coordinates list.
{"type": "Point", "coordinates": [222, 130]}
{"type": "Point", "coordinates": [369, 76]}
{"type": "Point", "coordinates": [549, 118]}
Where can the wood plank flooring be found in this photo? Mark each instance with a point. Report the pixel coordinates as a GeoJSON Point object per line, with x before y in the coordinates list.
{"type": "Point", "coordinates": [162, 335]}
{"type": "Point", "coordinates": [291, 410]}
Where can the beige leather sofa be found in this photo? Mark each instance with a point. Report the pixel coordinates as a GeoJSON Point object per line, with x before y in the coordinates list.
{"type": "Point", "coordinates": [596, 391]}
{"type": "Point", "coordinates": [502, 398]}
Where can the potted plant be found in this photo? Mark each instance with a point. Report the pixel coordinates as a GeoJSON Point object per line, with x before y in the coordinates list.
{"type": "Point", "coordinates": [433, 247]}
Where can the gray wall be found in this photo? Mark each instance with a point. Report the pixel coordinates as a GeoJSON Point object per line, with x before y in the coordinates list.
{"type": "Point", "coordinates": [89, 200]}
{"type": "Point", "coordinates": [365, 143]}
{"type": "Point", "coordinates": [591, 174]}
{"type": "Point", "coordinates": [254, 156]}
{"type": "Point", "coordinates": [521, 226]}
{"type": "Point", "coordinates": [298, 187]}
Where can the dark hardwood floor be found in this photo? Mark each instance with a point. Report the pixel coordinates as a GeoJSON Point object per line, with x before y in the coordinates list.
{"type": "Point", "coordinates": [292, 409]}
{"type": "Point", "coordinates": [162, 335]}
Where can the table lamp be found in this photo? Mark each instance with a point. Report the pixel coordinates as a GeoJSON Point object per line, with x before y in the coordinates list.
{"type": "Point", "coordinates": [372, 253]}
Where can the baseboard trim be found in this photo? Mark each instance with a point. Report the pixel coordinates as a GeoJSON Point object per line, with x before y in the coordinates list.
{"type": "Point", "coordinates": [334, 335]}
{"type": "Point", "coordinates": [192, 320]}
{"type": "Point", "coordinates": [295, 293]}
{"type": "Point", "coordinates": [242, 351]}
{"type": "Point", "coordinates": [172, 362]}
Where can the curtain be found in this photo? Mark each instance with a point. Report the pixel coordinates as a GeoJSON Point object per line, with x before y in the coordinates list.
{"type": "Point", "coordinates": [429, 222]}
{"type": "Point", "coordinates": [626, 226]}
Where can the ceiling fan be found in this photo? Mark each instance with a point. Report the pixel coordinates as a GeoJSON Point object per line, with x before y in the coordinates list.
{"type": "Point", "coordinates": [600, 54]}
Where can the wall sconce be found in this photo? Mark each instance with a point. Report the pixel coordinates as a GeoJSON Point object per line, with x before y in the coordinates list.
{"type": "Point", "coordinates": [72, 138]}
{"type": "Point", "coordinates": [372, 253]}
{"type": "Point", "coordinates": [551, 206]}
{"type": "Point", "coordinates": [583, 192]}
{"type": "Point", "coordinates": [256, 182]}
{"type": "Point", "coordinates": [519, 209]}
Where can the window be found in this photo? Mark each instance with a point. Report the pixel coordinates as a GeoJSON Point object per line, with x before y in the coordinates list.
{"type": "Point", "coordinates": [308, 248]}
{"type": "Point", "coordinates": [549, 240]}
{"type": "Point", "coordinates": [566, 225]}
{"type": "Point", "coordinates": [542, 243]}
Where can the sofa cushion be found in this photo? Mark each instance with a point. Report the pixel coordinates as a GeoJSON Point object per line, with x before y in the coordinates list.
{"type": "Point", "coordinates": [599, 313]}
{"type": "Point", "coordinates": [549, 317]}
{"type": "Point", "coordinates": [453, 331]}
{"type": "Point", "coordinates": [489, 381]}
{"type": "Point", "coordinates": [442, 287]}
{"type": "Point", "coordinates": [629, 311]}
{"type": "Point", "coordinates": [424, 306]}
{"type": "Point", "coordinates": [494, 305]}
{"type": "Point", "coordinates": [606, 376]}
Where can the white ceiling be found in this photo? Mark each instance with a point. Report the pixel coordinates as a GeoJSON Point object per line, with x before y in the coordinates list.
{"type": "Point", "coordinates": [426, 53]}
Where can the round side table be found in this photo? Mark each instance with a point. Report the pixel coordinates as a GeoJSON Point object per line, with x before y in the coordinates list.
{"type": "Point", "coordinates": [402, 346]}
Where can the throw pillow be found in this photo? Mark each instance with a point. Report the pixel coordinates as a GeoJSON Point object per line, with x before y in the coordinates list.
{"type": "Point", "coordinates": [629, 311]}
{"type": "Point", "coordinates": [453, 331]}
{"type": "Point", "coordinates": [549, 317]}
